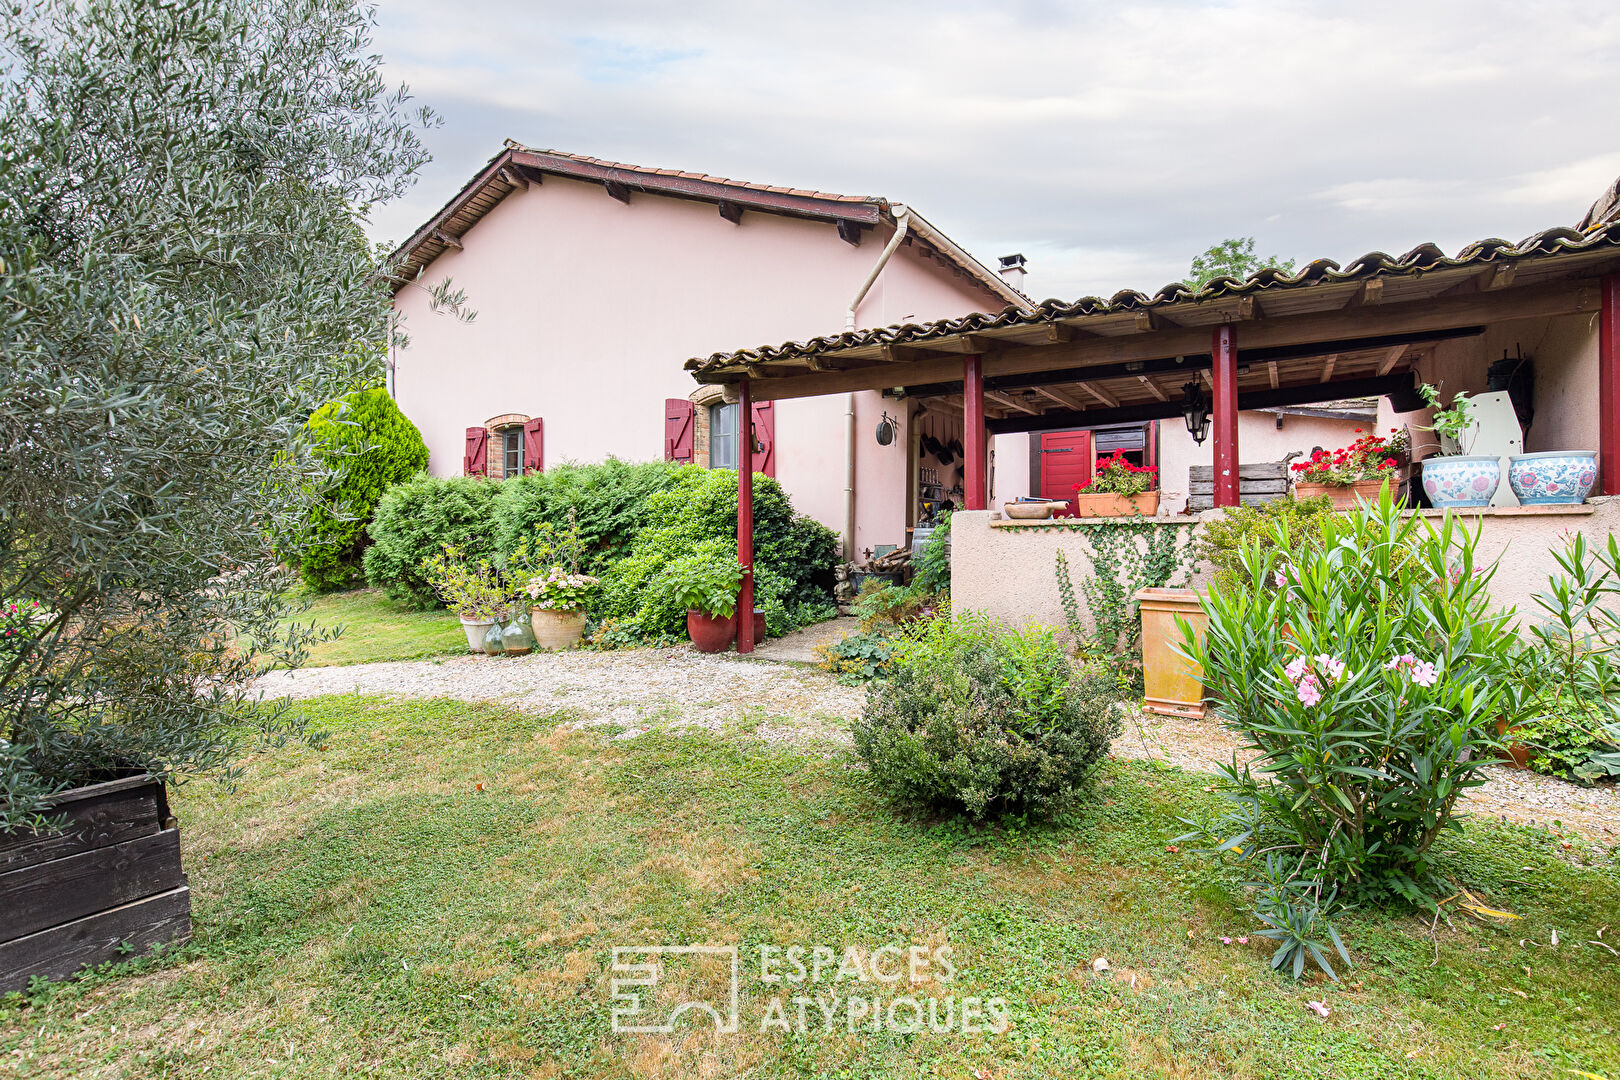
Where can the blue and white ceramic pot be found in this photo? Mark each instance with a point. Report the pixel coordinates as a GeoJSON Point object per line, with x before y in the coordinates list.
{"type": "Point", "coordinates": [1553, 476]}
{"type": "Point", "coordinates": [1461, 480]}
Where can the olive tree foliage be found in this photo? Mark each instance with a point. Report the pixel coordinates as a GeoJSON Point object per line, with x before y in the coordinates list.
{"type": "Point", "coordinates": [182, 283]}
{"type": "Point", "coordinates": [1233, 258]}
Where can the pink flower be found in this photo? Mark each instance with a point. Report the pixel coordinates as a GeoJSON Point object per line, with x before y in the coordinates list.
{"type": "Point", "coordinates": [1309, 695]}
{"type": "Point", "coordinates": [1282, 579]}
{"type": "Point", "coordinates": [1331, 667]}
{"type": "Point", "coordinates": [1226, 941]}
{"type": "Point", "coordinates": [1319, 1008]}
{"type": "Point", "coordinates": [1297, 668]}
{"type": "Point", "coordinates": [1424, 674]}
{"type": "Point", "coordinates": [1243, 941]}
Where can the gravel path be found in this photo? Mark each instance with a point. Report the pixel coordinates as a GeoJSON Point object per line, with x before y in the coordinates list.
{"type": "Point", "coordinates": [642, 689]}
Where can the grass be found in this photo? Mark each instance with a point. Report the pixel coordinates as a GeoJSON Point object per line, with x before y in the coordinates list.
{"type": "Point", "coordinates": [376, 628]}
{"type": "Point", "coordinates": [438, 891]}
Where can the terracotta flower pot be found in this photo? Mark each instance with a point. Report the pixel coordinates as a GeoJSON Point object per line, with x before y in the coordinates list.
{"type": "Point", "coordinates": [1111, 505]}
{"type": "Point", "coordinates": [1174, 685]}
{"type": "Point", "coordinates": [1344, 496]}
{"type": "Point", "coordinates": [710, 633]}
{"type": "Point", "coordinates": [555, 629]}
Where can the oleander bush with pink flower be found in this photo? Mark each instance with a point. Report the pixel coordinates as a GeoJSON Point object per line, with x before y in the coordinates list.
{"type": "Point", "coordinates": [1366, 673]}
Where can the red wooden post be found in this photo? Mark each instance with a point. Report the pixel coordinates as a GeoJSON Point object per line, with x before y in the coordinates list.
{"type": "Point", "coordinates": [1609, 386]}
{"type": "Point", "coordinates": [1223, 346]}
{"type": "Point", "coordinates": [745, 517]}
{"type": "Point", "coordinates": [973, 430]}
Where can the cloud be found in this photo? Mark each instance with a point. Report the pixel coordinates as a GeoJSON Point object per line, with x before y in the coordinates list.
{"type": "Point", "coordinates": [1108, 142]}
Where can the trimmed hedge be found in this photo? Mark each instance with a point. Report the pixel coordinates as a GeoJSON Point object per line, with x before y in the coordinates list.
{"type": "Point", "coordinates": [413, 522]}
{"type": "Point", "coordinates": [637, 521]}
{"type": "Point", "coordinates": [368, 445]}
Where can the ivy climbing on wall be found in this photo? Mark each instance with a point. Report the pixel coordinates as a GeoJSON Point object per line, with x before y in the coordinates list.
{"type": "Point", "coordinates": [1126, 557]}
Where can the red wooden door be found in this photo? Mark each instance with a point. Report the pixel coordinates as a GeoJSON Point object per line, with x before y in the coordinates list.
{"type": "Point", "coordinates": [1065, 462]}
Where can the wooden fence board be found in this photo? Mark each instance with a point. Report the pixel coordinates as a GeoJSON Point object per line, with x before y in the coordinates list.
{"type": "Point", "coordinates": [50, 893]}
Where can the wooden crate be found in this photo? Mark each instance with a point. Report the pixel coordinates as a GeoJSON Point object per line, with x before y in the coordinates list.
{"type": "Point", "coordinates": [1256, 484]}
{"type": "Point", "coordinates": [107, 886]}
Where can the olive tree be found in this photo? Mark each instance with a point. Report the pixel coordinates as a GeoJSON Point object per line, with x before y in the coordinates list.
{"type": "Point", "coordinates": [183, 281]}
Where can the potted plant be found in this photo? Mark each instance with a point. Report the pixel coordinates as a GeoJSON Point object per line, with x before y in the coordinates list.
{"type": "Point", "coordinates": [707, 588]}
{"type": "Point", "coordinates": [557, 617]}
{"type": "Point", "coordinates": [474, 591]}
{"type": "Point", "coordinates": [1118, 488]}
{"type": "Point", "coordinates": [1457, 478]}
{"type": "Point", "coordinates": [1346, 475]}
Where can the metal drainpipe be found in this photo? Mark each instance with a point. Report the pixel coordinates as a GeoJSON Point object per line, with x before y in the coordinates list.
{"type": "Point", "coordinates": [902, 223]}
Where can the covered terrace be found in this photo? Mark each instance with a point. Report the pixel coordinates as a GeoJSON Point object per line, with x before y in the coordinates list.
{"type": "Point", "coordinates": [1274, 340]}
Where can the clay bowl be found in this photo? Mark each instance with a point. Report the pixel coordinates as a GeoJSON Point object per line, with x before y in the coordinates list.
{"type": "Point", "coordinates": [1036, 511]}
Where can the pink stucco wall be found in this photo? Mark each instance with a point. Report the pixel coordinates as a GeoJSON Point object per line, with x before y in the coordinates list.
{"type": "Point", "coordinates": [587, 308]}
{"type": "Point", "coordinates": [1011, 574]}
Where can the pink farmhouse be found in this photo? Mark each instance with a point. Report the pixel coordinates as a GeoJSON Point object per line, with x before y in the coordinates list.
{"type": "Point", "coordinates": [592, 281]}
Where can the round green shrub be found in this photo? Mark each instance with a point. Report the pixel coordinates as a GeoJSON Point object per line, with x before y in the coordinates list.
{"type": "Point", "coordinates": [366, 444]}
{"type": "Point", "coordinates": [979, 718]}
{"type": "Point", "coordinates": [414, 521]}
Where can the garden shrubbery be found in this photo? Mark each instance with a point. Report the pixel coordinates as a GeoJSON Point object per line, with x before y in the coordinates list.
{"type": "Point", "coordinates": [1367, 673]}
{"type": "Point", "coordinates": [366, 445]}
{"type": "Point", "coordinates": [637, 523]}
{"type": "Point", "coordinates": [983, 719]}
{"type": "Point", "coordinates": [416, 520]}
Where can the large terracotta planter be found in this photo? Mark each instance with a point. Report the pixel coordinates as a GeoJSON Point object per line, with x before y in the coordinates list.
{"type": "Point", "coordinates": [1174, 684]}
{"type": "Point", "coordinates": [1344, 496]}
{"type": "Point", "coordinates": [710, 633]}
{"type": "Point", "coordinates": [1143, 505]}
{"type": "Point", "coordinates": [556, 629]}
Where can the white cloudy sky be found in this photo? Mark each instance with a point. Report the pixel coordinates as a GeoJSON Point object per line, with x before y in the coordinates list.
{"type": "Point", "coordinates": [1109, 142]}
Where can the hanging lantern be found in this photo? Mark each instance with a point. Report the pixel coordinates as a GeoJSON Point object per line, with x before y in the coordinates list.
{"type": "Point", "coordinates": [1195, 412]}
{"type": "Point", "coordinates": [886, 429]}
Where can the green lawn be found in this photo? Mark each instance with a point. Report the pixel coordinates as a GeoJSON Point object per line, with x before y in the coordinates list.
{"type": "Point", "coordinates": [438, 892]}
{"type": "Point", "coordinates": [376, 628]}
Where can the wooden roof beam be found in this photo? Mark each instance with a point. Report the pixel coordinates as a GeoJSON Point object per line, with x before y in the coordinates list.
{"type": "Point", "coordinates": [1391, 358]}
{"type": "Point", "coordinates": [1248, 309]}
{"type": "Point", "coordinates": [514, 178]}
{"type": "Point", "coordinates": [1328, 364]}
{"type": "Point", "coordinates": [1011, 402]}
{"type": "Point", "coordinates": [1100, 394]}
{"type": "Point", "coordinates": [731, 211]}
{"type": "Point", "coordinates": [1271, 370]}
{"type": "Point", "coordinates": [618, 190]}
{"type": "Point", "coordinates": [1054, 394]}
{"type": "Point", "coordinates": [446, 239]}
{"type": "Point", "coordinates": [1153, 387]}
{"type": "Point", "coordinates": [849, 232]}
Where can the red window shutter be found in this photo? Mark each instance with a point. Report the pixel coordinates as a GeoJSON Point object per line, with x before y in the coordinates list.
{"type": "Point", "coordinates": [678, 419]}
{"type": "Point", "coordinates": [534, 446]}
{"type": "Point", "coordinates": [765, 435]}
{"type": "Point", "coordinates": [477, 455]}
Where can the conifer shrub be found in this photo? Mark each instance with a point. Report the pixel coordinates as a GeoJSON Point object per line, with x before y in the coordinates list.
{"type": "Point", "coordinates": [366, 445]}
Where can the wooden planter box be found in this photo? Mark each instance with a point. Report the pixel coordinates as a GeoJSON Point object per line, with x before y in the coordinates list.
{"type": "Point", "coordinates": [1143, 505]}
{"type": "Point", "coordinates": [1174, 685]}
{"type": "Point", "coordinates": [1344, 496]}
{"type": "Point", "coordinates": [107, 887]}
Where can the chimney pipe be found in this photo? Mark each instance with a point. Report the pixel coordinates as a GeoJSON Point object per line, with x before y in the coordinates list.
{"type": "Point", "coordinates": [1013, 272]}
